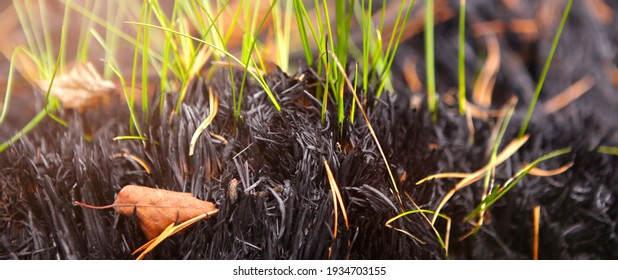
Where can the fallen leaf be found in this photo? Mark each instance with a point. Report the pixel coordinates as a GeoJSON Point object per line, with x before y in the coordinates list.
{"type": "Point", "coordinates": [81, 88]}
{"type": "Point", "coordinates": [157, 209]}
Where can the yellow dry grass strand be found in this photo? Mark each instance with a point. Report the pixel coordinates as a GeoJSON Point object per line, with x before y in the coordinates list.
{"type": "Point", "coordinates": [469, 178]}
{"type": "Point", "coordinates": [337, 199]}
{"type": "Point", "coordinates": [169, 231]}
{"type": "Point", "coordinates": [506, 153]}
{"type": "Point", "coordinates": [553, 172]}
{"type": "Point", "coordinates": [484, 85]}
{"type": "Point", "coordinates": [569, 95]}
{"type": "Point", "coordinates": [134, 158]}
{"type": "Point", "coordinates": [200, 59]}
{"type": "Point", "coordinates": [444, 242]}
{"type": "Point", "coordinates": [155, 242]}
{"type": "Point", "coordinates": [391, 220]}
{"type": "Point", "coordinates": [536, 214]}
{"type": "Point", "coordinates": [443, 175]}
{"type": "Point", "coordinates": [214, 106]}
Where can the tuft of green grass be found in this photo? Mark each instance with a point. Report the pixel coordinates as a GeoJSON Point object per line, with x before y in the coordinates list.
{"type": "Point", "coordinates": [40, 50]}
{"type": "Point", "coordinates": [375, 61]}
{"type": "Point", "coordinates": [282, 21]}
{"type": "Point", "coordinates": [393, 44]}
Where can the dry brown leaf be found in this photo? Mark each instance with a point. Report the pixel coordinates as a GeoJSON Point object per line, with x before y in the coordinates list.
{"type": "Point", "coordinates": [81, 88]}
{"type": "Point", "coordinates": [157, 209]}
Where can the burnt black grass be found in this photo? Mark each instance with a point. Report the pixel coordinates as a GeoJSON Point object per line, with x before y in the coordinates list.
{"type": "Point", "coordinates": [282, 207]}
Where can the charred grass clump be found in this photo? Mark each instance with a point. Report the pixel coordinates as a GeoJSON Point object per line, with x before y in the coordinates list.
{"type": "Point", "coordinates": [381, 144]}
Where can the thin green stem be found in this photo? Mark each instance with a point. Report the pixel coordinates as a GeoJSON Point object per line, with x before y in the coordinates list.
{"type": "Point", "coordinates": [462, 56]}
{"type": "Point", "coordinates": [539, 86]}
{"type": "Point", "coordinates": [432, 99]}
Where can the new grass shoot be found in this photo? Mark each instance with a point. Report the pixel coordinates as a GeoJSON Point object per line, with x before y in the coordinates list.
{"type": "Point", "coordinates": [539, 86]}
{"type": "Point", "coordinates": [432, 98]}
{"type": "Point", "coordinates": [462, 57]}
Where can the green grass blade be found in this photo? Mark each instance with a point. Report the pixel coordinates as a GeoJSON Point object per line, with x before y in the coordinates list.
{"type": "Point", "coordinates": [27, 128]}
{"type": "Point", "coordinates": [539, 86]}
{"type": "Point", "coordinates": [492, 161]}
{"type": "Point", "coordinates": [609, 150]}
{"type": "Point", "coordinates": [126, 96]}
{"type": "Point", "coordinates": [394, 45]}
{"type": "Point", "coordinates": [50, 101]}
{"type": "Point", "coordinates": [425, 211]}
{"type": "Point", "coordinates": [145, 58]}
{"type": "Point", "coordinates": [302, 31]}
{"type": "Point", "coordinates": [9, 83]}
{"type": "Point", "coordinates": [462, 56]}
{"type": "Point", "coordinates": [432, 98]}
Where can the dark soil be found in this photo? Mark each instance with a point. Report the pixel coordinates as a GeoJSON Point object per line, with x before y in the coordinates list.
{"type": "Point", "coordinates": [282, 207]}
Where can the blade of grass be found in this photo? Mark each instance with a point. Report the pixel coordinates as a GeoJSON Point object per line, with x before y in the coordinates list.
{"type": "Point", "coordinates": [9, 83]}
{"type": "Point", "coordinates": [462, 57]}
{"type": "Point", "coordinates": [609, 150]}
{"type": "Point", "coordinates": [50, 101]}
{"type": "Point", "coordinates": [443, 242]}
{"type": "Point", "coordinates": [282, 33]}
{"type": "Point", "coordinates": [27, 128]}
{"type": "Point", "coordinates": [217, 39]}
{"type": "Point", "coordinates": [337, 199]}
{"type": "Point", "coordinates": [536, 214]}
{"type": "Point", "coordinates": [129, 137]}
{"type": "Point", "coordinates": [134, 121]}
{"type": "Point", "coordinates": [84, 35]}
{"type": "Point", "coordinates": [147, 16]}
{"type": "Point", "coordinates": [213, 106]}
{"type": "Point", "coordinates": [547, 173]}
{"type": "Point", "coordinates": [393, 45]}
{"type": "Point", "coordinates": [248, 47]}
{"type": "Point", "coordinates": [491, 172]}
{"type": "Point", "coordinates": [299, 7]}
{"type": "Point", "coordinates": [539, 85]}
{"type": "Point", "coordinates": [432, 99]}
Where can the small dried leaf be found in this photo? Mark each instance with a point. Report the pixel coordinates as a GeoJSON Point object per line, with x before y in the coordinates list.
{"type": "Point", "coordinates": [80, 89]}
{"type": "Point", "coordinates": [156, 209]}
